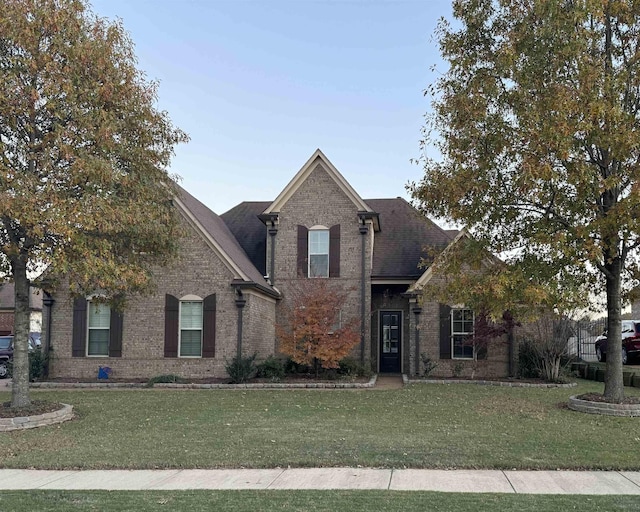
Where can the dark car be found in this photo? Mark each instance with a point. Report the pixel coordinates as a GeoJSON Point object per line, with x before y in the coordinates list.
{"type": "Point", "coordinates": [6, 354]}
{"type": "Point", "coordinates": [630, 342]}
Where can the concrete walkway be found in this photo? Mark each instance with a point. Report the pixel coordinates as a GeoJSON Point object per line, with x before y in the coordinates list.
{"type": "Point", "coordinates": [522, 482]}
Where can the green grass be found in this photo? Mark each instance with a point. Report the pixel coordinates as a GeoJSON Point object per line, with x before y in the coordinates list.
{"type": "Point", "coordinates": [430, 426]}
{"type": "Point", "coordinates": [320, 501]}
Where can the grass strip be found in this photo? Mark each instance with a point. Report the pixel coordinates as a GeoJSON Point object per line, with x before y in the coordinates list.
{"type": "Point", "coordinates": [319, 501]}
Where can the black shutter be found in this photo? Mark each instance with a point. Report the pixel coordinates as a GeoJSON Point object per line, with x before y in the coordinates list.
{"type": "Point", "coordinates": [171, 319]}
{"type": "Point", "coordinates": [79, 335]}
{"type": "Point", "coordinates": [303, 251]}
{"type": "Point", "coordinates": [115, 334]}
{"type": "Point", "coordinates": [209, 326]}
{"type": "Point", "coordinates": [334, 251]}
{"type": "Point", "coordinates": [445, 332]}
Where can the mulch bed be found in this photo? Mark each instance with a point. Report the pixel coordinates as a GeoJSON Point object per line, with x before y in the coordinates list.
{"type": "Point", "coordinates": [37, 407]}
{"type": "Point", "coordinates": [289, 379]}
{"type": "Point", "coordinates": [598, 397]}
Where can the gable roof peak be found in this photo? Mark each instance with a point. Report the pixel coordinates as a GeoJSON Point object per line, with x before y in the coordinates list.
{"type": "Point", "coordinates": [303, 174]}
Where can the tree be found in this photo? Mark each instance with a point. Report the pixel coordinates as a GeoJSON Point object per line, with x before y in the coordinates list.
{"type": "Point", "coordinates": [83, 156]}
{"type": "Point", "coordinates": [312, 330]}
{"type": "Point", "coordinates": [538, 124]}
{"type": "Point", "coordinates": [546, 341]}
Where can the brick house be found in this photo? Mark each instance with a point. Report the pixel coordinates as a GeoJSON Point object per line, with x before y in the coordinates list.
{"type": "Point", "coordinates": [234, 275]}
{"type": "Point", "coordinates": [7, 308]}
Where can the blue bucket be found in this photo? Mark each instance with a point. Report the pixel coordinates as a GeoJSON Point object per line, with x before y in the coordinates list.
{"type": "Point", "coordinates": [104, 372]}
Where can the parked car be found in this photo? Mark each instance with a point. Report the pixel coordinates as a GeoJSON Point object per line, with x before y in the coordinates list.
{"type": "Point", "coordinates": [6, 350]}
{"type": "Point", "coordinates": [630, 342]}
{"type": "Point", "coordinates": [6, 354]}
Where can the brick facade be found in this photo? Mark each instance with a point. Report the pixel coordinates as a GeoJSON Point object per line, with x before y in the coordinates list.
{"type": "Point", "coordinates": [197, 271]}
{"type": "Point", "coordinates": [319, 201]}
{"type": "Point", "coordinates": [204, 268]}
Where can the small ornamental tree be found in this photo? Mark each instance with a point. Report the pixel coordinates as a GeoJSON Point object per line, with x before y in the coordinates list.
{"type": "Point", "coordinates": [84, 152]}
{"type": "Point", "coordinates": [312, 331]}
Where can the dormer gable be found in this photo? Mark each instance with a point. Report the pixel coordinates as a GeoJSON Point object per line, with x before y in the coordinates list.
{"type": "Point", "coordinates": [318, 158]}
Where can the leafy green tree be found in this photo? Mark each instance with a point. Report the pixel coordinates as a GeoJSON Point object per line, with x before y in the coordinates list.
{"type": "Point", "coordinates": [83, 158]}
{"type": "Point", "coordinates": [537, 122]}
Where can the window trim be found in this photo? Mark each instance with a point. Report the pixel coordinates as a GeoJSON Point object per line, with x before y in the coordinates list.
{"type": "Point", "coordinates": [190, 299]}
{"type": "Point", "coordinates": [90, 301]}
{"type": "Point", "coordinates": [455, 333]}
{"type": "Point", "coordinates": [316, 229]}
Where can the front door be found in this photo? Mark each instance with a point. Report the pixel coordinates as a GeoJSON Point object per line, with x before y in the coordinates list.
{"type": "Point", "coordinates": [390, 336]}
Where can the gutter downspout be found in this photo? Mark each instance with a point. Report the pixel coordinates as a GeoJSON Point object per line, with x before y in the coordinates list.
{"type": "Point", "coordinates": [416, 311]}
{"type": "Point", "coordinates": [240, 303]}
{"type": "Point", "coordinates": [364, 229]}
{"type": "Point", "coordinates": [47, 301]}
{"type": "Point", "coordinates": [272, 265]}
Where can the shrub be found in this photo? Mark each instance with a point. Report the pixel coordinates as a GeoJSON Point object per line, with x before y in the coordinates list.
{"type": "Point", "coordinates": [165, 379]}
{"type": "Point", "coordinates": [271, 368]}
{"type": "Point", "coordinates": [547, 338]}
{"type": "Point", "coordinates": [293, 368]}
{"type": "Point", "coordinates": [428, 364]}
{"type": "Point", "coordinates": [350, 367]}
{"type": "Point", "coordinates": [241, 369]}
{"type": "Point", "coordinates": [528, 360]}
{"type": "Point", "coordinates": [38, 365]}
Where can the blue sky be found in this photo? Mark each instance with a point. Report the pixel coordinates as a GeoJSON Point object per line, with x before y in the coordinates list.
{"type": "Point", "coordinates": [259, 85]}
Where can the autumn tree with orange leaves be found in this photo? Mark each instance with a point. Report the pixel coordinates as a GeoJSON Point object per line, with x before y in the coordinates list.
{"type": "Point", "coordinates": [84, 153]}
{"type": "Point", "coordinates": [312, 331]}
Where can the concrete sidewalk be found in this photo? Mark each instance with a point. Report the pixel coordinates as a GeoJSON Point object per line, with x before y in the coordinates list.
{"type": "Point", "coordinates": [494, 481]}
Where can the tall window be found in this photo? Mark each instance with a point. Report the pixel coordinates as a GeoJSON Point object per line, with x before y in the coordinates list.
{"type": "Point", "coordinates": [319, 253]}
{"type": "Point", "coordinates": [461, 332]}
{"type": "Point", "coordinates": [98, 329]}
{"type": "Point", "coordinates": [191, 329]}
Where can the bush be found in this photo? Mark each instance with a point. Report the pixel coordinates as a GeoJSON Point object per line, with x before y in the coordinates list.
{"type": "Point", "coordinates": [38, 365]}
{"type": "Point", "coordinates": [352, 368]}
{"type": "Point", "coordinates": [428, 364]}
{"type": "Point", "coordinates": [528, 360]}
{"type": "Point", "coordinates": [271, 368]}
{"type": "Point", "coordinates": [165, 379]}
{"type": "Point", "coordinates": [293, 368]}
{"type": "Point", "coordinates": [241, 369]}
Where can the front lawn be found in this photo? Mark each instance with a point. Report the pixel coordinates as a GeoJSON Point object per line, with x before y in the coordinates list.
{"type": "Point", "coordinates": [431, 426]}
{"type": "Point", "coordinates": [319, 501]}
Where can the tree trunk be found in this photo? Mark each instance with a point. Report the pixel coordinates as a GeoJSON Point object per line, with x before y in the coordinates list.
{"type": "Point", "coordinates": [613, 384]}
{"type": "Point", "coordinates": [20, 389]}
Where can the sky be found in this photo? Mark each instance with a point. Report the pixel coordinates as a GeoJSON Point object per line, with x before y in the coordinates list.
{"type": "Point", "coordinates": [260, 85]}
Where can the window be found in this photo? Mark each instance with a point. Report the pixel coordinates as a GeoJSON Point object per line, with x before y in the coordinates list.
{"type": "Point", "coordinates": [190, 329]}
{"type": "Point", "coordinates": [461, 330]}
{"type": "Point", "coordinates": [318, 252]}
{"type": "Point", "coordinates": [98, 327]}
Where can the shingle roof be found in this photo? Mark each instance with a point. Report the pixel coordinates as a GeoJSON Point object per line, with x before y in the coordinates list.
{"type": "Point", "coordinates": [398, 248]}
{"type": "Point", "coordinates": [218, 230]}
{"type": "Point", "coordinates": [404, 236]}
{"type": "Point", "coordinates": [242, 220]}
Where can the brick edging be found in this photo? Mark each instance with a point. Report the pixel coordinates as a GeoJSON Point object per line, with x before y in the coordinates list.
{"type": "Point", "coordinates": [604, 408]}
{"type": "Point", "coordinates": [262, 385]}
{"type": "Point", "coordinates": [501, 383]}
{"type": "Point", "coordinates": [40, 420]}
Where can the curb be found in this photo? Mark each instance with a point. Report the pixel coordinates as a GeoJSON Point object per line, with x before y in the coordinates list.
{"type": "Point", "coordinates": [262, 385]}
{"type": "Point", "coordinates": [604, 408]}
{"type": "Point", "coordinates": [40, 420]}
{"type": "Point", "coordinates": [500, 383]}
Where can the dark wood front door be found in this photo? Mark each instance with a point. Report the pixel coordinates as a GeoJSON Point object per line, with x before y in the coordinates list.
{"type": "Point", "coordinates": [390, 337]}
